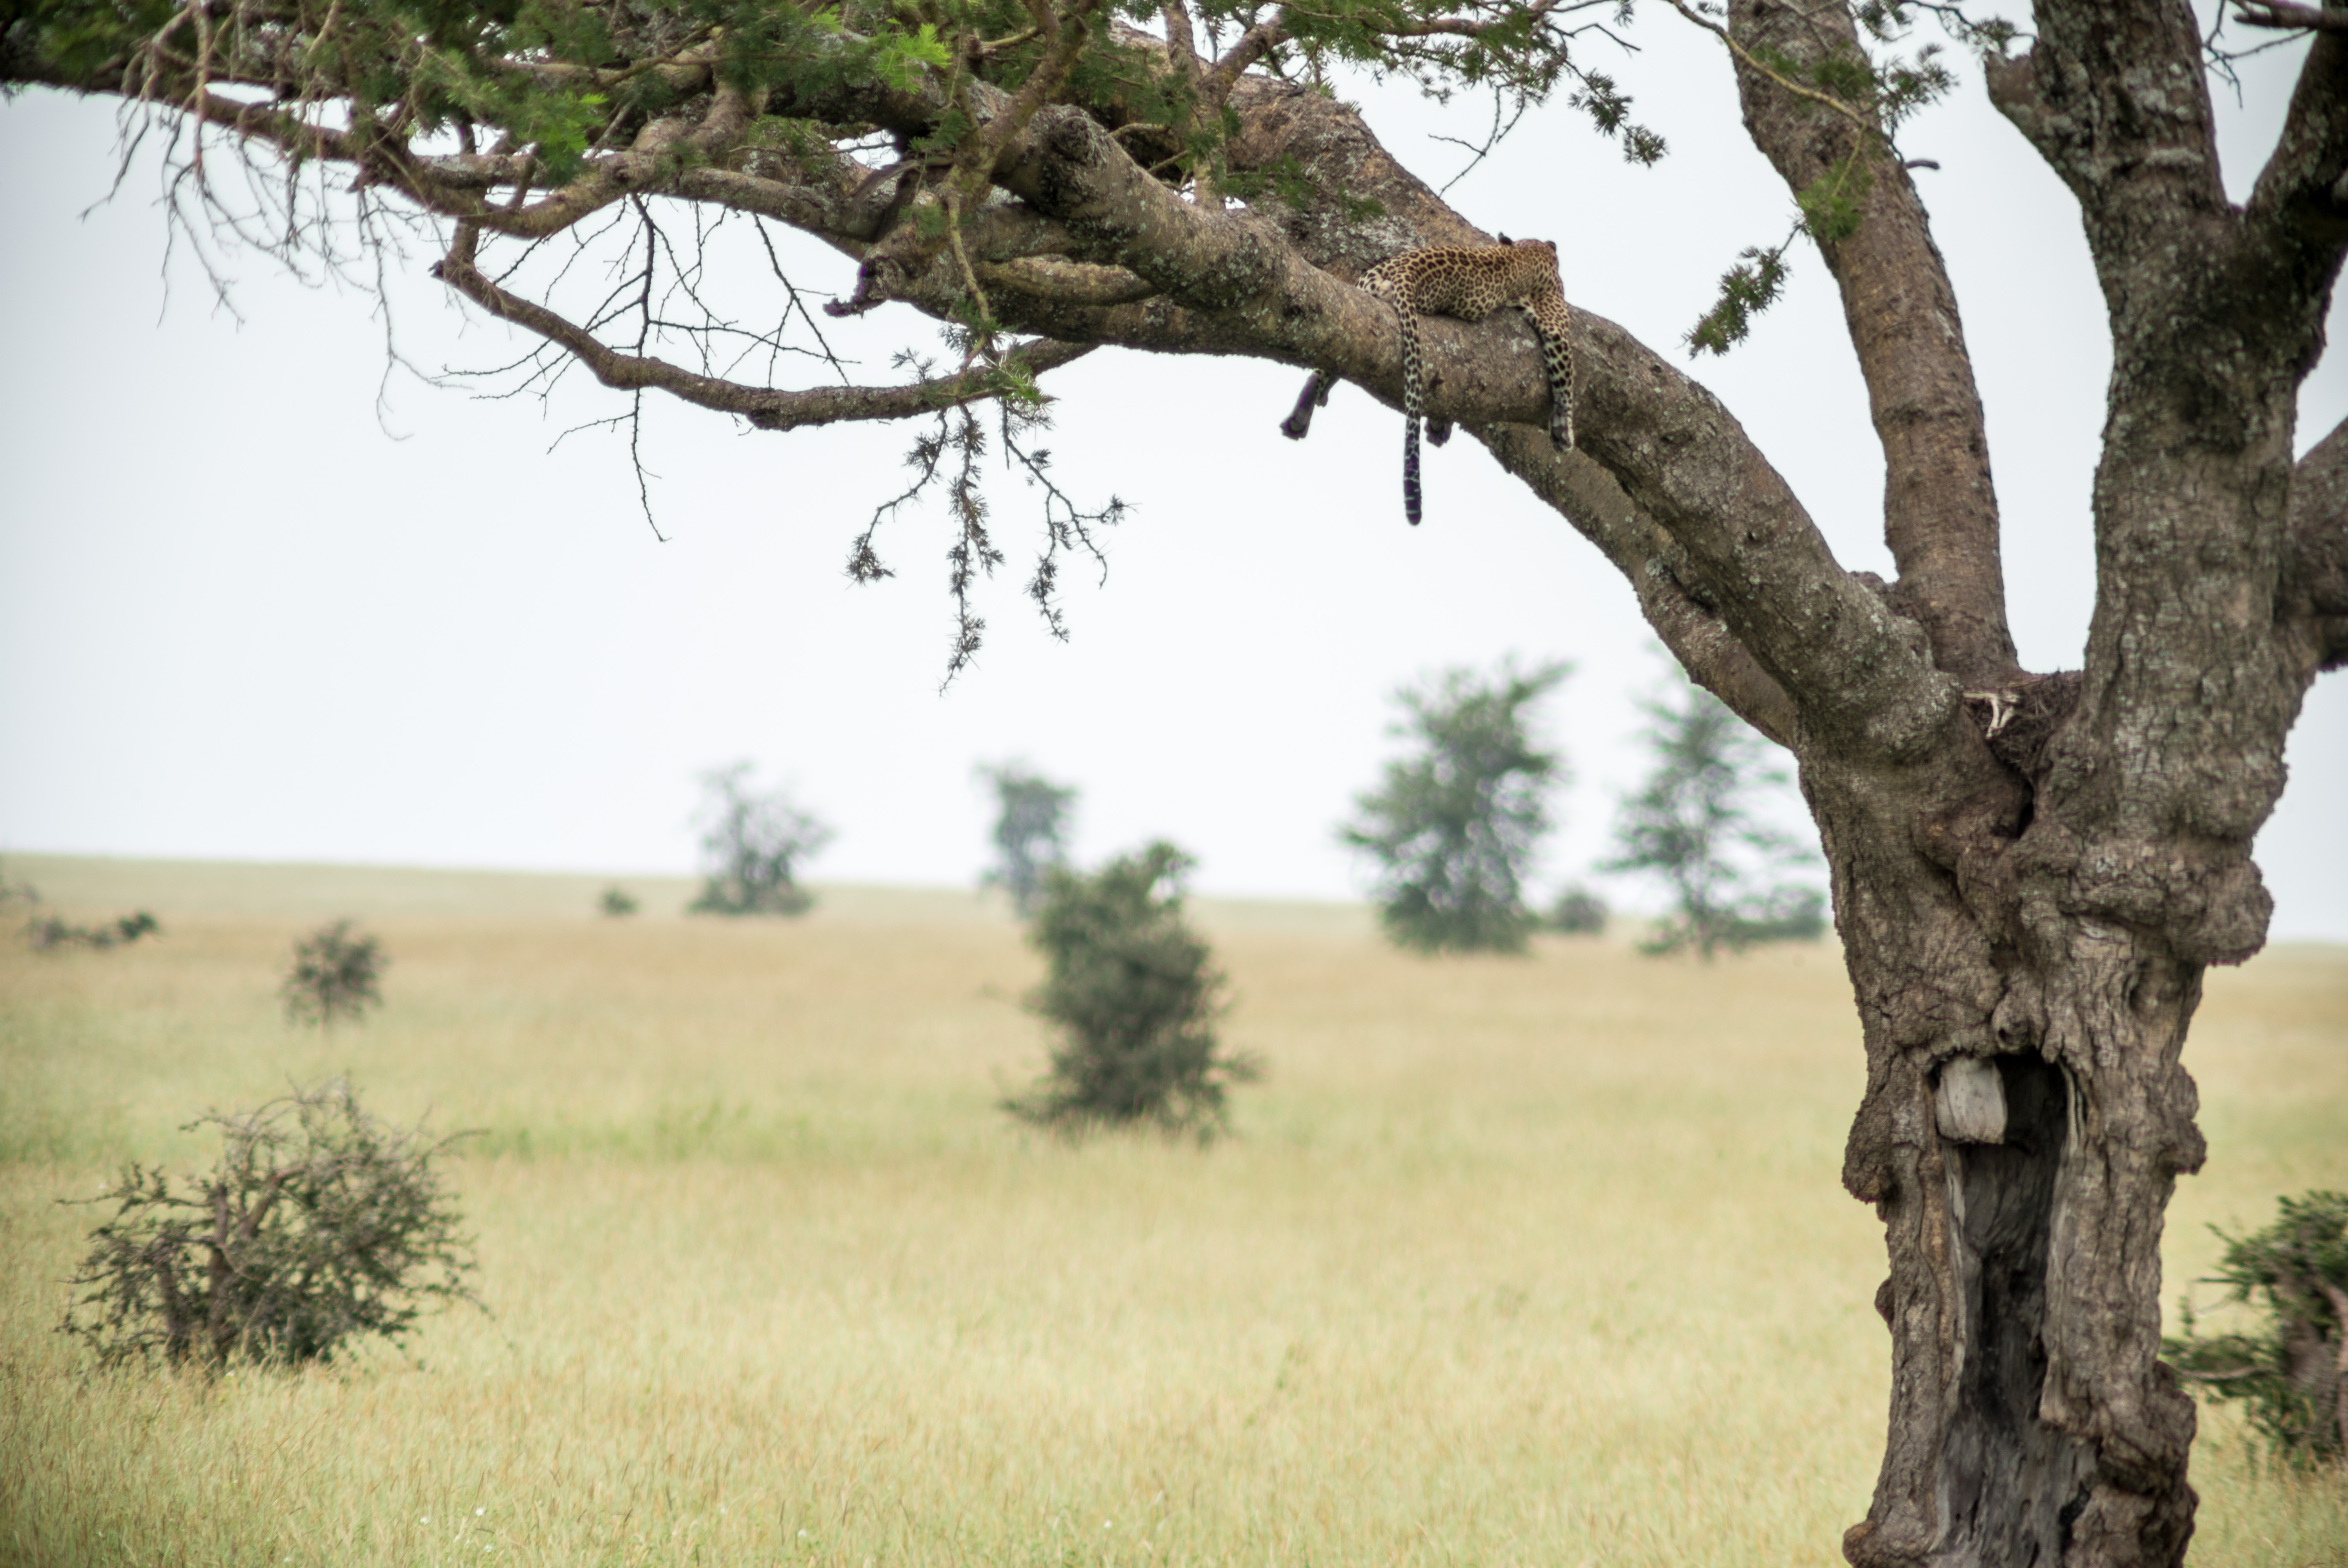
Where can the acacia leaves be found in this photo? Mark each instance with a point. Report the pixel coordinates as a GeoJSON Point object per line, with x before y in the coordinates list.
{"type": "Point", "coordinates": [1865, 82]}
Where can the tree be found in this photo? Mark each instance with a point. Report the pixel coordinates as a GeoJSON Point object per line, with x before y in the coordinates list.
{"type": "Point", "coordinates": [337, 974]}
{"type": "Point", "coordinates": [2031, 870]}
{"type": "Point", "coordinates": [1031, 824]}
{"type": "Point", "coordinates": [751, 846]}
{"type": "Point", "coordinates": [1133, 994]}
{"type": "Point", "coordinates": [319, 1224]}
{"type": "Point", "coordinates": [1454, 828]}
{"type": "Point", "coordinates": [1691, 825]}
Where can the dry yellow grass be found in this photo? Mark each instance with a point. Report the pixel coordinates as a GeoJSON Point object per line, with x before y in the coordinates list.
{"type": "Point", "coordinates": [1509, 1262]}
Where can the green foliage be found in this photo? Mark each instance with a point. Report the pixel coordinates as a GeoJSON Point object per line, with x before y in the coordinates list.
{"type": "Point", "coordinates": [617, 902]}
{"type": "Point", "coordinates": [1133, 995]}
{"type": "Point", "coordinates": [1883, 90]}
{"type": "Point", "coordinates": [1453, 828]}
{"type": "Point", "coordinates": [1831, 204]}
{"type": "Point", "coordinates": [48, 933]}
{"type": "Point", "coordinates": [1609, 108]}
{"type": "Point", "coordinates": [1577, 912]}
{"type": "Point", "coordinates": [319, 1224]}
{"type": "Point", "coordinates": [1746, 289]}
{"type": "Point", "coordinates": [2292, 1370]}
{"type": "Point", "coordinates": [335, 975]}
{"type": "Point", "coordinates": [1031, 825]}
{"type": "Point", "coordinates": [751, 846]}
{"type": "Point", "coordinates": [1692, 826]}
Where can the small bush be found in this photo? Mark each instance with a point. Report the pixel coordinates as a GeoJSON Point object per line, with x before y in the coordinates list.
{"type": "Point", "coordinates": [319, 1224]}
{"type": "Point", "coordinates": [337, 974]}
{"type": "Point", "coordinates": [46, 934]}
{"type": "Point", "coordinates": [1132, 995]}
{"type": "Point", "coordinates": [1578, 912]}
{"type": "Point", "coordinates": [2293, 1371]}
{"type": "Point", "coordinates": [618, 903]}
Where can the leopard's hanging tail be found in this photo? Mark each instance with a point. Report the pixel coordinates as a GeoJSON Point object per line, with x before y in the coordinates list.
{"type": "Point", "coordinates": [1413, 396]}
{"type": "Point", "coordinates": [1410, 468]}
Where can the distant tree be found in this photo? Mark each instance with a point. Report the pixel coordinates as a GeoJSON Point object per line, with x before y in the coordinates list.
{"type": "Point", "coordinates": [319, 1224]}
{"type": "Point", "coordinates": [751, 847]}
{"type": "Point", "coordinates": [2292, 1371]}
{"type": "Point", "coordinates": [1577, 912]}
{"type": "Point", "coordinates": [618, 902]}
{"type": "Point", "coordinates": [1692, 825]}
{"type": "Point", "coordinates": [1031, 825]}
{"type": "Point", "coordinates": [1454, 828]}
{"type": "Point", "coordinates": [336, 975]}
{"type": "Point", "coordinates": [47, 933]}
{"type": "Point", "coordinates": [1134, 995]}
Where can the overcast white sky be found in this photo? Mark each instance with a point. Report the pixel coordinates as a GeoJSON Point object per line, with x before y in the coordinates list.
{"type": "Point", "coordinates": [246, 612]}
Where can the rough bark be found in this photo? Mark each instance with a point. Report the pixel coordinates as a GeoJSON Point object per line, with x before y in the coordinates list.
{"type": "Point", "coordinates": [1940, 507]}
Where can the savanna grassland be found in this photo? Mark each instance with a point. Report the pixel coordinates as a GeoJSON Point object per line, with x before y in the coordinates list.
{"type": "Point", "coordinates": [1540, 1261]}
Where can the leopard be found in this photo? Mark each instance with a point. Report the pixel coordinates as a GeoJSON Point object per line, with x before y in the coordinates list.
{"type": "Point", "coordinates": [1467, 282]}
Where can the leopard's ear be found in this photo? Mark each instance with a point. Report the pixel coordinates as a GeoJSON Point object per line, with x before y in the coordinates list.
{"type": "Point", "coordinates": [1505, 241]}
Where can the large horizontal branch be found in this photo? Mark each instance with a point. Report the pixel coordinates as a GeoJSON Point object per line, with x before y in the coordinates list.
{"type": "Point", "coordinates": [1674, 451]}
{"type": "Point", "coordinates": [768, 408]}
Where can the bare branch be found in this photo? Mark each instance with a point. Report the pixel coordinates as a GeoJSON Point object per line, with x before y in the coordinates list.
{"type": "Point", "coordinates": [766, 408]}
{"type": "Point", "coordinates": [2282, 14]}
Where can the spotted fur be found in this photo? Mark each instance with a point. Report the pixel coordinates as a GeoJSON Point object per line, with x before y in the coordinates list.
{"type": "Point", "coordinates": [1469, 282]}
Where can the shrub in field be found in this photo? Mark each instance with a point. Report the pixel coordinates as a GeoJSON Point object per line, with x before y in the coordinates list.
{"type": "Point", "coordinates": [618, 902]}
{"type": "Point", "coordinates": [1454, 828]}
{"type": "Point", "coordinates": [1133, 995]}
{"type": "Point", "coordinates": [48, 933]}
{"type": "Point", "coordinates": [751, 846]}
{"type": "Point", "coordinates": [2292, 1372]}
{"type": "Point", "coordinates": [320, 1225]}
{"type": "Point", "coordinates": [1577, 912]}
{"type": "Point", "coordinates": [337, 974]}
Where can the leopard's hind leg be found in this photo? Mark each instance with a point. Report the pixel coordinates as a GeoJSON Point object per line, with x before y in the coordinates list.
{"type": "Point", "coordinates": [1299, 423]}
{"type": "Point", "coordinates": [1557, 362]}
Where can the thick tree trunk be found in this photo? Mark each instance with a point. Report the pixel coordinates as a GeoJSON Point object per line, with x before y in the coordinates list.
{"type": "Point", "coordinates": [2020, 1155]}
